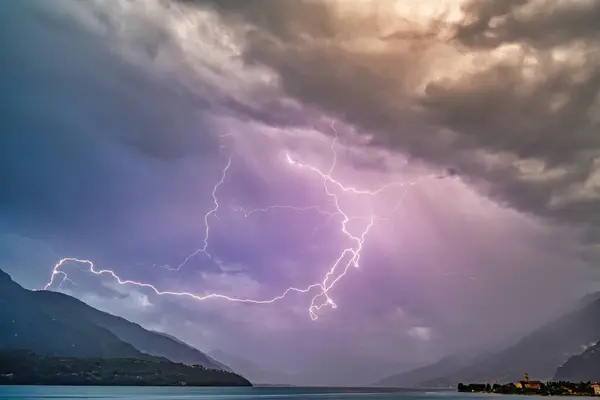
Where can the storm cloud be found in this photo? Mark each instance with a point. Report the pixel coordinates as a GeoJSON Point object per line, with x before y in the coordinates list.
{"type": "Point", "coordinates": [508, 93]}
{"type": "Point", "coordinates": [119, 117]}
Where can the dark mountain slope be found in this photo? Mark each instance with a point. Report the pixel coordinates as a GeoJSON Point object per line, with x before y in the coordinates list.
{"type": "Point", "coordinates": [65, 337]}
{"type": "Point", "coordinates": [55, 323]}
{"type": "Point", "coordinates": [540, 353]}
{"type": "Point", "coordinates": [146, 341]}
{"type": "Point", "coordinates": [583, 367]}
{"type": "Point", "coordinates": [26, 325]}
{"type": "Point", "coordinates": [216, 362]}
{"type": "Point", "coordinates": [27, 368]}
{"type": "Point", "coordinates": [253, 372]}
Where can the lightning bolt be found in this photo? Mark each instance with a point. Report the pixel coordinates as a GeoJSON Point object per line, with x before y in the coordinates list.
{"type": "Point", "coordinates": [56, 271]}
{"type": "Point", "coordinates": [65, 278]}
{"type": "Point", "coordinates": [349, 256]}
{"type": "Point", "coordinates": [283, 207]}
{"type": "Point", "coordinates": [211, 212]}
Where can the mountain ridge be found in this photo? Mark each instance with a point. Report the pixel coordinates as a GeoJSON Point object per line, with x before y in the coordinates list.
{"type": "Point", "coordinates": [22, 322]}
{"type": "Point", "coordinates": [27, 368]}
{"type": "Point", "coordinates": [581, 367]}
{"type": "Point", "coordinates": [539, 353]}
{"type": "Point", "coordinates": [144, 340]}
{"type": "Point", "coordinates": [252, 371]}
{"type": "Point", "coordinates": [557, 349]}
{"type": "Point", "coordinates": [73, 328]}
{"type": "Point", "coordinates": [222, 366]}
{"type": "Point", "coordinates": [415, 376]}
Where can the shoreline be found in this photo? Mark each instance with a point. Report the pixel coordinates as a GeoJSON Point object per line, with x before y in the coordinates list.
{"type": "Point", "coordinates": [534, 388]}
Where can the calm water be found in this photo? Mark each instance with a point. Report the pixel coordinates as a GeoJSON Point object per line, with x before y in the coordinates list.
{"type": "Point", "coordinates": [130, 393]}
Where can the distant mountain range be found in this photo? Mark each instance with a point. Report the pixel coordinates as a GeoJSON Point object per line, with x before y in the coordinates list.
{"type": "Point", "coordinates": [51, 323]}
{"type": "Point", "coordinates": [251, 371]}
{"type": "Point", "coordinates": [583, 367]}
{"type": "Point", "coordinates": [414, 377]}
{"type": "Point", "coordinates": [541, 354]}
{"type": "Point", "coordinates": [55, 324]}
{"type": "Point", "coordinates": [220, 365]}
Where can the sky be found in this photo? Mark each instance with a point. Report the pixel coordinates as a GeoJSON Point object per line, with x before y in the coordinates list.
{"type": "Point", "coordinates": [467, 129]}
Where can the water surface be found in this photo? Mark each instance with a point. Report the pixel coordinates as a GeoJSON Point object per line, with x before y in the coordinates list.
{"type": "Point", "coordinates": [189, 393]}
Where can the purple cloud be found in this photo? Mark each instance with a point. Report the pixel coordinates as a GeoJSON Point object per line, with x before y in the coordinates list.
{"type": "Point", "coordinates": [117, 138]}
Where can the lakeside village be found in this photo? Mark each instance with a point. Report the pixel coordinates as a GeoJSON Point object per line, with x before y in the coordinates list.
{"type": "Point", "coordinates": [529, 387]}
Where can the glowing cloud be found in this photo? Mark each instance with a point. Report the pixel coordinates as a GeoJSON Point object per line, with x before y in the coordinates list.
{"type": "Point", "coordinates": [349, 256]}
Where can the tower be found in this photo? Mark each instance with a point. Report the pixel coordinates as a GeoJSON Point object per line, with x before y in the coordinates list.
{"type": "Point", "coordinates": [526, 376]}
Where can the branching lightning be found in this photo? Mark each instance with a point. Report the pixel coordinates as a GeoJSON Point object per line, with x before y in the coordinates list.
{"type": "Point", "coordinates": [211, 212]}
{"type": "Point", "coordinates": [65, 278]}
{"type": "Point", "coordinates": [349, 257]}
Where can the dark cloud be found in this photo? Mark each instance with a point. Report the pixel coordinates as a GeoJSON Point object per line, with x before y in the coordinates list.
{"type": "Point", "coordinates": [311, 18]}
{"type": "Point", "coordinates": [109, 153]}
{"type": "Point", "coordinates": [59, 110]}
{"type": "Point", "coordinates": [74, 66]}
{"type": "Point", "coordinates": [547, 23]}
{"type": "Point", "coordinates": [532, 105]}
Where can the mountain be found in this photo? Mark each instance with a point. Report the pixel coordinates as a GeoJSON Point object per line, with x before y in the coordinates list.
{"type": "Point", "coordinates": [357, 372]}
{"type": "Point", "coordinates": [539, 353]}
{"type": "Point", "coordinates": [173, 338]}
{"type": "Point", "coordinates": [588, 299]}
{"type": "Point", "coordinates": [55, 323]}
{"type": "Point", "coordinates": [144, 340]}
{"type": "Point", "coordinates": [583, 367]}
{"type": "Point", "coordinates": [24, 324]}
{"type": "Point", "coordinates": [416, 376]}
{"type": "Point", "coordinates": [220, 365]}
{"type": "Point", "coordinates": [250, 370]}
{"type": "Point", "coordinates": [27, 368]}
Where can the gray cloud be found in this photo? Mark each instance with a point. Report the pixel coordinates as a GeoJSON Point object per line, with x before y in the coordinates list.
{"type": "Point", "coordinates": [523, 122]}
{"type": "Point", "coordinates": [546, 24]}
{"type": "Point", "coordinates": [311, 18]}
{"type": "Point", "coordinates": [141, 93]}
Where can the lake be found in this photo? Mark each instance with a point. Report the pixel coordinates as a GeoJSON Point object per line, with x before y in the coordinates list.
{"type": "Point", "coordinates": [189, 393]}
